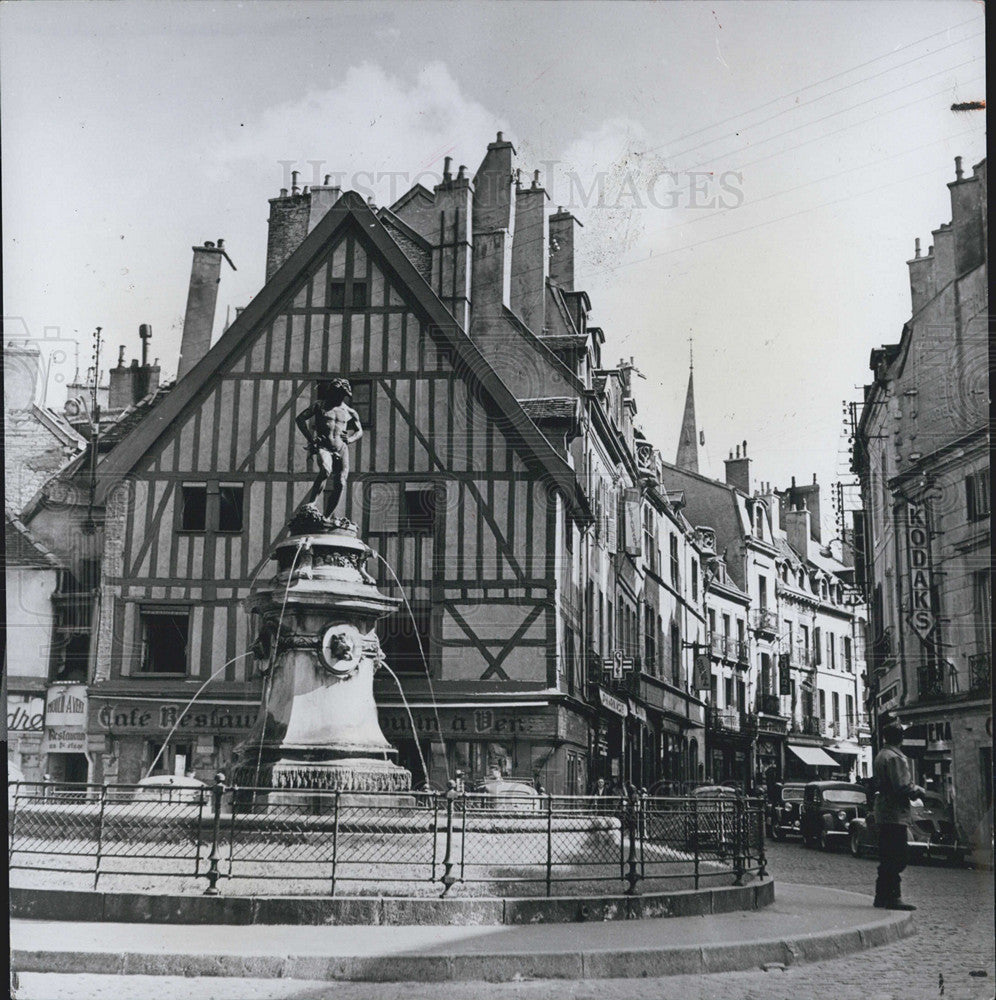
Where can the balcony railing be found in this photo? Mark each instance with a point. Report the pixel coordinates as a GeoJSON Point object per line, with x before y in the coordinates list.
{"type": "Point", "coordinates": [810, 725]}
{"type": "Point", "coordinates": [728, 720]}
{"type": "Point", "coordinates": [741, 652]}
{"type": "Point", "coordinates": [929, 683]}
{"type": "Point", "coordinates": [769, 704]}
{"type": "Point", "coordinates": [765, 620]}
{"type": "Point", "coordinates": [979, 672]}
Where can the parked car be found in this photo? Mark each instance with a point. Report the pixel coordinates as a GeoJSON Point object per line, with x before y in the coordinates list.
{"type": "Point", "coordinates": [932, 833]}
{"type": "Point", "coordinates": [828, 807]}
{"type": "Point", "coordinates": [498, 793]}
{"type": "Point", "coordinates": [169, 788]}
{"type": "Point", "coordinates": [709, 822]}
{"type": "Point", "coordinates": [784, 809]}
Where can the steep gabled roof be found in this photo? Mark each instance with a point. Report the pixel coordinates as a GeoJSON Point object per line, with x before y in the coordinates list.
{"type": "Point", "coordinates": [22, 549]}
{"type": "Point", "coordinates": [349, 210]}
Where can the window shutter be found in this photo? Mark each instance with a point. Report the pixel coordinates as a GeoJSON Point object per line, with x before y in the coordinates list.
{"type": "Point", "coordinates": [610, 520]}
{"type": "Point", "coordinates": [631, 521]}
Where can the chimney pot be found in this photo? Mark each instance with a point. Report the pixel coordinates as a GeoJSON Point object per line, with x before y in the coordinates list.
{"type": "Point", "coordinates": [283, 192]}
{"type": "Point", "coordinates": [500, 138]}
{"type": "Point", "coordinates": [447, 160]}
{"type": "Point", "coordinates": [958, 170]}
{"type": "Point", "coordinates": [121, 351]}
{"type": "Point", "coordinates": [793, 482]}
{"type": "Point", "coordinates": [134, 362]}
{"type": "Point", "coordinates": [294, 176]}
{"type": "Point", "coordinates": [518, 178]}
{"type": "Point", "coordinates": [916, 247]}
{"type": "Point", "coordinates": [328, 177]}
{"type": "Point", "coordinates": [745, 449]}
{"type": "Point", "coordinates": [462, 172]}
{"type": "Point", "coordinates": [536, 182]}
{"type": "Point", "coordinates": [814, 478]}
{"type": "Point", "coordinates": [738, 451]}
{"type": "Point", "coordinates": [208, 243]}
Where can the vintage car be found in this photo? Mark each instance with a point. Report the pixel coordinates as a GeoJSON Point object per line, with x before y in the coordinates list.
{"type": "Point", "coordinates": [932, 834]}
{"type": "Point", "coordinates": [508, 795]}
{"type": "Point", "coordinates": [709, 824]}
{"type": "Point", "coordinates": [783, 809]}
{"type": "Point", "coordinates": [828, 807]}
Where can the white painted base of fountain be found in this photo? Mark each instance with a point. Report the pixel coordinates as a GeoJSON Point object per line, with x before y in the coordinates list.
{"type": "Point", "coordinates": [352, 777]}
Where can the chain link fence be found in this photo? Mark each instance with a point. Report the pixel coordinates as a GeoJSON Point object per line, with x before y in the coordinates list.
{"type": "Point", "coordinates": [297, 841]}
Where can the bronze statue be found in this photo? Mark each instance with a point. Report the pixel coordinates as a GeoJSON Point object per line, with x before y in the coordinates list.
{"type": "Point", "coordinates": [330, 425]}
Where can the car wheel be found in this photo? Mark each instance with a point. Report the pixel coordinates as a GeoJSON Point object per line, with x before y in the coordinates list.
{"type": "Point", "coordinates": [855, 844]}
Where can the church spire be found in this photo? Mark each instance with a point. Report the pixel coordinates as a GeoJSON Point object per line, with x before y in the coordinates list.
{"type": "Point", "coordinates": [688, 449]}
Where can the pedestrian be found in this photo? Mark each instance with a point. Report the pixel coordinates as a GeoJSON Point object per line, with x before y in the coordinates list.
{"type": "Point", "coordinates": [894, 789]}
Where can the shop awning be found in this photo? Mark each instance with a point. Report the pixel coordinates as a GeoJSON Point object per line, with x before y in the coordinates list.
{"type": "Point", "coordinates": [845, 750]}
{"type": "Point", "coordinates": [813, 756]}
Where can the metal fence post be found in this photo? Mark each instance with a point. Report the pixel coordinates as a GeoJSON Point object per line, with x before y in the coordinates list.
{"type": "Point", "coordinates": [738, 845]}
{"type": "Point", "coordinates": [100, 835]}
{"type": "Point", "coordinates": [695, 838]}
{"type": "Point", "coordinates": [762, 861]}
{"type": "Point", "coordinates": [643, 830]}
{"type": "Point", "coordinates": [549, 843]}
{"type": "Point", "coordinates": [435, 833]}
{"type": "Point", "coordinates": [217, 790]}
{"type": "Point", "coordinates": [632, 821]}
{"type": "Point", "coordinates": [13, 821]}
{"type": "Point", "coordinates": [335, 838]}
{"type": "Point", "coordinates": [448, 878]}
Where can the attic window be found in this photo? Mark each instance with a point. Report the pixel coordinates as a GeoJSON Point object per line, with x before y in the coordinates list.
{"type": "Point", "coordinates": [359, 295]}
{"type": "Point", "coordinates": [337, 295]}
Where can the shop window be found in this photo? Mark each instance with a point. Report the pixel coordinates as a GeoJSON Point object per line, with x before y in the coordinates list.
{"type": "Point", "coordinates": [165, 638]}
{"type": "Point", "coordinates": [193, 516]}
{"type": "Point", "coordinates": [171, 758]}
{"type": "Point", "coordinates": [230, 508]}
{"type": "Point", "coordinates": [400, 638]}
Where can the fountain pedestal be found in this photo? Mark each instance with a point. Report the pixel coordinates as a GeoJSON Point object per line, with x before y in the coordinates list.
{"type": "Point", "coordinates": [318, 650]}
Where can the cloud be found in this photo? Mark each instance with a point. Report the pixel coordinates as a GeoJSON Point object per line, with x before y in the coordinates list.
{"type": "Point", "coordinates": [365, 127]}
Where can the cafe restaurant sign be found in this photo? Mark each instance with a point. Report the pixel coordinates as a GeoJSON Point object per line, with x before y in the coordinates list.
{"type": "Point", "coordinates": [127, 716]}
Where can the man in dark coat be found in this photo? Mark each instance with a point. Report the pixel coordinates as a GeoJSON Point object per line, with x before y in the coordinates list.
{"type": "Point", "coordinates": [894, 790]}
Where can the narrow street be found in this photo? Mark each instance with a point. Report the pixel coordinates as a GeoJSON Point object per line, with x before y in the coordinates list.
{"type": "Point", "coordinates": [954, 939]}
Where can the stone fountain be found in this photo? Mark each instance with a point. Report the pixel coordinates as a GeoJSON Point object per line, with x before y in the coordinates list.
{"type": "Point", "coordinates": [318, 650]}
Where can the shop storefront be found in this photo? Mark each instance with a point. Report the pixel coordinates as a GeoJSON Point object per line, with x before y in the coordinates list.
{"type": "Point", "coordinates": [128, 734]}
{"type": "Point", "coordinates": [525, 741]}
{"type": "Point", "coordinates": [66, 745]}
{"type": "Point", "coordinates": [26, 732]}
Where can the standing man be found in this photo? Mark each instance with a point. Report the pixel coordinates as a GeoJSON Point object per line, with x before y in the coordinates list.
{"type": "Point", "coordinates": [894, 790]}
{"type": "Point", "coordinates": [330, 425]}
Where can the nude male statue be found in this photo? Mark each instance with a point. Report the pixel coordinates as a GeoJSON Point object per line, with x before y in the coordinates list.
{"type": "Point", "coordinates": [330, 425]}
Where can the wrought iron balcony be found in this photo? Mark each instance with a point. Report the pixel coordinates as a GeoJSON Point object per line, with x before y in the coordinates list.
{"type": "Point", "coordinates": [810, 725]}
{"type": "Point", "coordinates": [765, 621]}
{"type": "Point", "coordinates": [742, 653]}
{"type": "Point", "coordinates": [929, 683]}
{"type": "Point", "coordinates": [769, 704]}
{"type": "Point", "coordinates": [729, 720]}
{"type": "Point", "coordinates": [979, 672]}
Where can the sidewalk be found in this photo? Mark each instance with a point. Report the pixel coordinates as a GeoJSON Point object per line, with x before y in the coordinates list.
{"type": "Point", "coordinates": [804, 924]}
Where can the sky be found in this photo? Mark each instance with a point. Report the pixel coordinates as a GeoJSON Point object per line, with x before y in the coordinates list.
{"type": "Point", "coordinates": [750, 175]}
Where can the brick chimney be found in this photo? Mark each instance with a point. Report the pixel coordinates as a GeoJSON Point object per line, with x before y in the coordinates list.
{"type": "Point", "coordinates": [202, 296]}
{"type": "Point", "coordinates": [968, 207]}
{"type": "Point", "coordinates": [493, 231]}
{"type": "Point", "coordinates": [453, 204]}
{"type": "Point", "coordinates": [738, 470]}
{"type": "Point", "coordinates": [921, 277]}
{"type": "Point", "coordinates": [806, 497]}
{"type": "Point", "coordinates": [562, 225]}
{"type": "Point", "coordinates": [797, 530]}
{"type": "Point", "coordinates": [293, 215]}
{"type": "Point", "coordinates": [128, 384]}
{"type": "Point", "coordinates": [530, 255]}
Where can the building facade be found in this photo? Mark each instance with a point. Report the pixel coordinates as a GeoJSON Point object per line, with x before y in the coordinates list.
{"type": "Point", "coordinates": [921, 452]}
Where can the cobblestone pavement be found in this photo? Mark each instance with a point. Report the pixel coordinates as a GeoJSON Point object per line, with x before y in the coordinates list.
{"type": "Point", "coordinates": [955, 935]}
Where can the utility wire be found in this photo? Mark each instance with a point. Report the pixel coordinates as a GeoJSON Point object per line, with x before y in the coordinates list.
{"type": "Point", "coordinates": [818, 83]}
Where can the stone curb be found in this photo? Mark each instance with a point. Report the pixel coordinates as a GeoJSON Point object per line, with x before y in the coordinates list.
{"type": "Point", "coordinates": [373, 911]}
{"type": "Point", "coordinates": [659, 961]}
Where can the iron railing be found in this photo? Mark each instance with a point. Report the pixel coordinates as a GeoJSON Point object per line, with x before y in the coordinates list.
{"type": "Point", "coordinates": [290, 841]}
{"type": "Point", "coordinates": [979, 672]}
